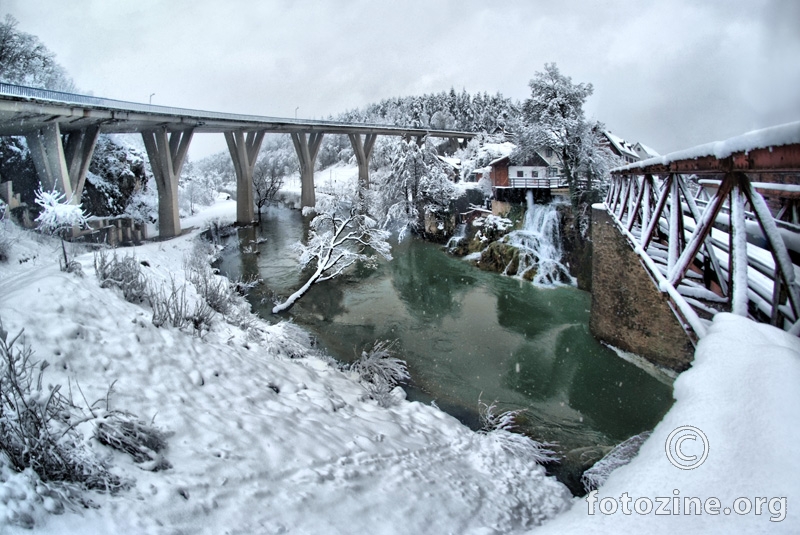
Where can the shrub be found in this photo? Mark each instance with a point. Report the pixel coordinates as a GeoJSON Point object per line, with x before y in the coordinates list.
{"type": "Point", "coordinates": [5, 247]}
{"type": "Point", "coordinates": [125, 274]}
{"type": "Point", "coordinates": [172, 307]}
{"type": "Point", "coordinates": [380, 372]}
{"type": "Point", "coordinates": [124, 432]}
{"type": "Point", "coordinates": [38, 424]}
{"type": "Point", "coordinates": [500, 427]}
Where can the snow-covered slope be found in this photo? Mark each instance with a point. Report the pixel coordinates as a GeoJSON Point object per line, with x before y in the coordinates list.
{"type": "Point", "coordinates": [742, 393]}
{"type": "Point", "coordinates": [262, 443]}
{"type": "Point", "coordinates": [266, 443]}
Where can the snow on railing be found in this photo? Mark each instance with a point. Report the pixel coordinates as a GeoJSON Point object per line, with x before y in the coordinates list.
{"type": "Point", "coordinates": [122, 105]}
{"type": "Point", "coordinates": [776, 136]}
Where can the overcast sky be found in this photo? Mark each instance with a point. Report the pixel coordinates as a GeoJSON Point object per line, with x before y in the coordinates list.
{"type": "Point", "coordinates": [671, 74]}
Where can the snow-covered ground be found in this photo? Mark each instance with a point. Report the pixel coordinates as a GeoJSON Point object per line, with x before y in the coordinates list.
{"type": "Point", "coordinates": [741, 392]}
{"type": "Point", "coordinates": [266, 443]}
{"type": "Point", "coordinates": [262, 442]}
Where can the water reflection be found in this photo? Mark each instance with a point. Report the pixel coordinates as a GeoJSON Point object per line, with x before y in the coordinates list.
{"type": "Point", "coordinates": [468, 334]}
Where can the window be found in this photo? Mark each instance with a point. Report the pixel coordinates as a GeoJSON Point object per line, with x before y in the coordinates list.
{"type": "Point", "coordinates": [548, 153]}
{"type": "Point", "coordinates": [520, 174]}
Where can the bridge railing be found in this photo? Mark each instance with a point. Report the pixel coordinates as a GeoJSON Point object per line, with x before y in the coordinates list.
{"type": "Point", "coordinates": [716, 243]}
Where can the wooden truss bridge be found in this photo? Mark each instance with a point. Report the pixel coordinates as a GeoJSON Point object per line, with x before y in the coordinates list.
{"type": "Point", "coordinates": [717, 227]}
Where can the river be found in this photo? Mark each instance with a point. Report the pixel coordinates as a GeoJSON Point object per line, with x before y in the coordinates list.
{"type": "Point", "coordinates": [466, 334]}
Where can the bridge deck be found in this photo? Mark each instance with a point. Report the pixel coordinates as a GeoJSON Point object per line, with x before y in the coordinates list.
{"type": "Point", "coordinates": [25, 108]}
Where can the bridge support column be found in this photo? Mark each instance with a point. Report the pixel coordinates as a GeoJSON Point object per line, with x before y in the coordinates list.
{"type": "Point", "coordinates": [307, 149]}
{"type": "Point", "coordinates": [167, 154]}
{"type": "Point", "coordinates": [628, 310]}
{"type": "Point", "coordinates": [244, 153]}
{"type": "Point", "coordinates": [62, 168]}
{"type": "Point", "coordinates": [363, 152]}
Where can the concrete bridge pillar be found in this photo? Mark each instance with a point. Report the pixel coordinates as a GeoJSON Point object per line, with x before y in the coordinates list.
{"type": "Point", "coordinates": [363, 152]}
{"type": "Point", "coordinates": [167, 154]}
{"type": "Point", "coordinates": [307, 149]}
{"type": "Point", "coordinates": [62, 168]}
{"type": "Point", "coordinates": [244, 153]}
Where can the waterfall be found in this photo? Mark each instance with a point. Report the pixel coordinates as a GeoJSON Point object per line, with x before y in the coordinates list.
{"type": "Point", "coordinates": [539, 245]}
{"type": "Point", "coordinates": [458, 237]}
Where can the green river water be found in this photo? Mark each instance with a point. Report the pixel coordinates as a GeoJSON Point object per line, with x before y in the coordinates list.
{"type": "Point", "coordinates": [466, 334]}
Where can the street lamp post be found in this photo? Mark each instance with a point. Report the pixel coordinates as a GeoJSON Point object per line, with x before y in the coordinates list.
{"type": "Point", "coordinates": [151, 97]}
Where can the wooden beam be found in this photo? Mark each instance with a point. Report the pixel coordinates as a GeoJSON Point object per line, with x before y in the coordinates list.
{"type": "Point", "coordinates": [738, 253]}
{"type": "Point", "coordinates": [662, 201]}
{"type": "Point", "coordinates": [780, 255]}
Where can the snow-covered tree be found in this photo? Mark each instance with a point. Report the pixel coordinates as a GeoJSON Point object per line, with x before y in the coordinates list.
{"type": "Point", "coordinates": [418, 184]}
{"type": "Point", "coordinates": [59, 215]}
{"type": "Point", "coordinates": [339, 236]}
{"type": "Point", "coordinates": [276, 160]}
{"type": "Point", "coordinates": [196, 188]}
{"type": "Point", "coordinates": [25, 60]}
{"type": "Point", "coordinates": [553, 118]}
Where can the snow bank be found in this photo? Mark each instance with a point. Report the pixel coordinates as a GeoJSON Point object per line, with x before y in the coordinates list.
{"type": "Point", "coordinates": [262, 442]}
{"type": "Point", "coordinates": [741, 392]}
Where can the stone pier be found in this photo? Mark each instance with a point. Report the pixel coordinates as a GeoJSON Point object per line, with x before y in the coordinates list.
{"type": "Point", "coordinates": [628, 310]}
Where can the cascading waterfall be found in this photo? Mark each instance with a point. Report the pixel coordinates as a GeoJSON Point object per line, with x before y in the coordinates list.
{"type": "Point", "coordinates": [458, 237]}
{"type": "Point", "coordinates": [539, 245]}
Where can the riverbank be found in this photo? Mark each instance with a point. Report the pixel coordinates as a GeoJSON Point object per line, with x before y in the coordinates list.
{"type": "Point", "coordinates": [266, 435]}
{"type": "Point", "coordinates": [264, 442]}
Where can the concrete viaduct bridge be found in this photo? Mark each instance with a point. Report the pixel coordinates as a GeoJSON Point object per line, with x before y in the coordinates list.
{"type": "Point", "coordinates": [716, 229]}
{"type": "Point", "coordinates": [62, 128]}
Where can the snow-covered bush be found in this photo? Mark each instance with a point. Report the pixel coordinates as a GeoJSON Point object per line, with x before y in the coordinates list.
{"type": "Point", "coordinates": [125, 432]}
{"type": "Point", "coordinates": [57, 213]}
{"type": "Point", "coordinates": [125, 274]}
{"type": "Point", "coordinates": [171, 307]}
{"type": "Point", "coordinates": [38, 424]}
{"type": "Point", "coordinates": [5, 246]}
{"type": "Point", "coordinates": [57, 217]}
{"type": "Point", "coordinates": [143, 204]}
{"type": "Point", "coordinates": [379, 371]}
{"type": "Point", "coordinates": [621, 455]}
{"type": "Point", "coordinates": [500, 426]}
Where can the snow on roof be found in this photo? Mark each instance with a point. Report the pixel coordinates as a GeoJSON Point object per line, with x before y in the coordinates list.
{"type": "Point", "coordinates": [621, 145]}
{"type": "Point", "coordinates": [646, 150]}
{"type": "Point", "coordinates": [776, 136]}
{"type": "Point", "coordinates": [496, 151]}
{"type": "Point", "coordinates": [455, 163]}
